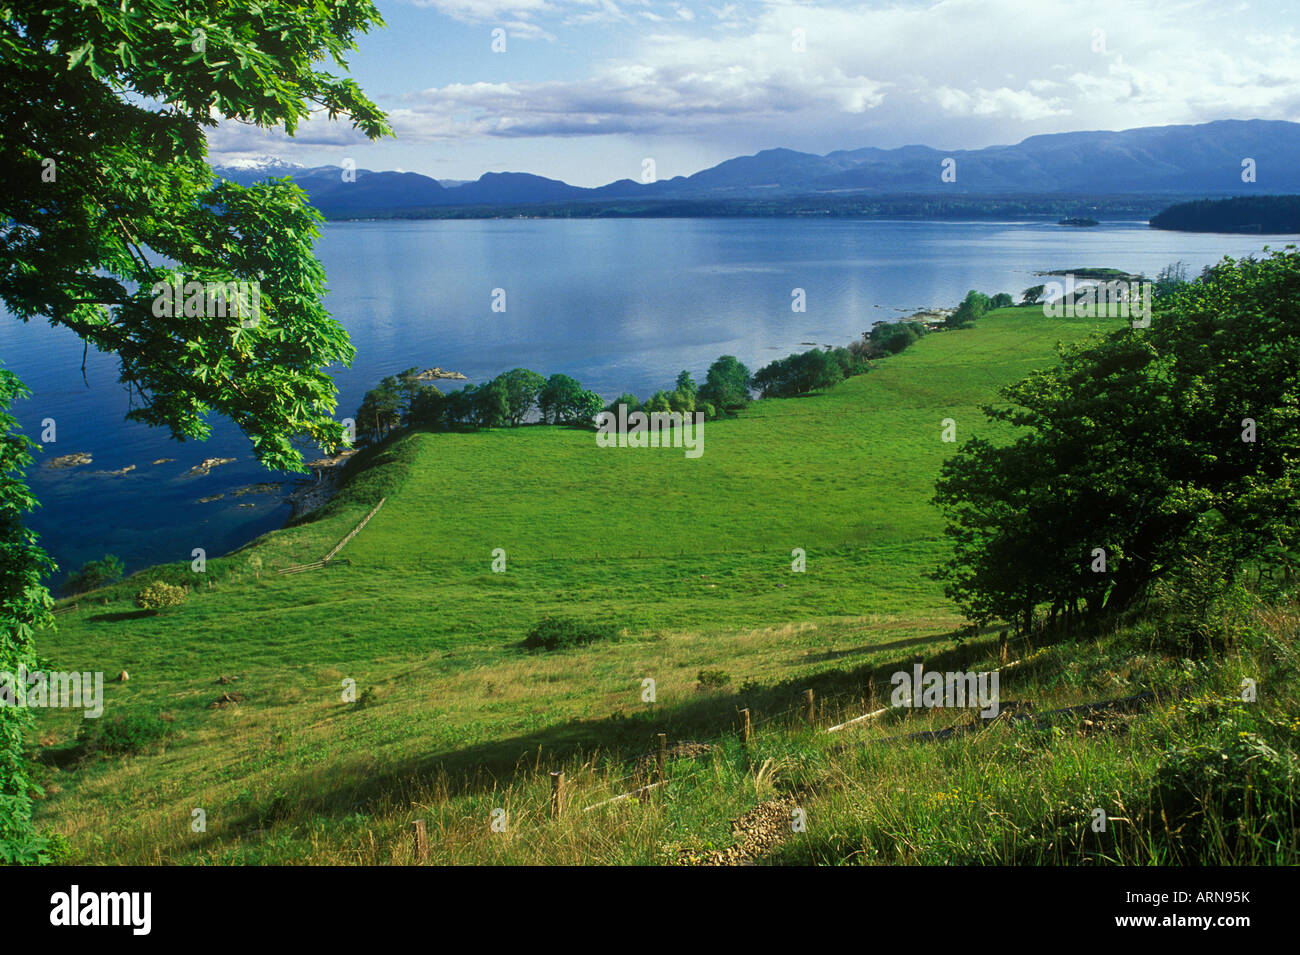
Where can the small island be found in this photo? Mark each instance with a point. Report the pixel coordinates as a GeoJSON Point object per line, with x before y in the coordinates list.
{"type": "Point", "coordinates": [1078, 221]}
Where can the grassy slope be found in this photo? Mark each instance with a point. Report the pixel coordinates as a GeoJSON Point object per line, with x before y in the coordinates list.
{"type": "Point", "coordinates": [692, 557]}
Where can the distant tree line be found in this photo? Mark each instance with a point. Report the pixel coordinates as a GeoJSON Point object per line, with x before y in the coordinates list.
{"type": "Point", "coordinates": [508, 400]}
{"type": "Point", "coordinates": [821, 368]}
{"type": "Point", "coordinates": [404, 400]}
{"type": "Point", "coordinates": [1244, 214]}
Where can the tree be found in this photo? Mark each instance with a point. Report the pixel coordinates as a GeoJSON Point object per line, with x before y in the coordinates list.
{"type": "Point", "coordinates": [1138, 450]}
{"type": "Point", "coordinates": [114, 228]}
{"type": "Point", "coordinates": [687, 386]}
{"type": "Point", "coordinates": [26, 609]}
{"type": "Point", "coordinates": [585, 408]}
{"type": "Point", "coordinates": [559, 398]}
{"type": "Point", "coordinates": [94, 574]}
{"type": "Point", "coordinates": [626, 399]}
{"type": "Point", "coordinates": [459, 406]}
{"type": "Point", "coordinates": [1032, 294]}
{"type": "Point", "coordinates": [521, 387]}
{"type": "Point", "coordinates": [492, 405]}
{"type": "Point", "coordinates": [428, 409]}
{"type": "Point", "coordinates": [1002, 300]}
{"type": "Point", "coordinates": [659, 401]}
{"type": "Point", "coordinates": [380, 411]}
{"type": "Point", "coordinates": [1170, 279]}
{"type": "Point", "coordinates": [972, 307]}
{"type": "Point", "coordinates": [813, 370]}
{"type": "Point", "coordinates": [727, 384]}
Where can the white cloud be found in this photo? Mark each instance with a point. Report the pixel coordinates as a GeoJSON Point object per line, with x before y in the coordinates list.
{"type": "Point", "coordinates": [953, 73]}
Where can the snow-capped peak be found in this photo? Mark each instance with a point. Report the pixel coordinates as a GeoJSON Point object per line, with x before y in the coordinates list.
{"type": "Point", "coordinates": [258, 164]}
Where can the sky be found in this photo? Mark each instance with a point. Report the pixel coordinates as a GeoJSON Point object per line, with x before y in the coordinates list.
{"type": "Point", "coordinates": [588, 90]}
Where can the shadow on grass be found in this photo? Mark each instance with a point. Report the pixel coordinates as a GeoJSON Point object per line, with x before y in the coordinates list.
{"type": "Point", "coordinates": [624, 739]}
{"type": "Point", "coordinates": [122, 615]}
{"type": "Point", "coordinates": [893, 645]}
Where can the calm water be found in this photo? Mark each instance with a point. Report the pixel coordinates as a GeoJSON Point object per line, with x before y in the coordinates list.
{"type": "Point", "coordinates": [619, 305]}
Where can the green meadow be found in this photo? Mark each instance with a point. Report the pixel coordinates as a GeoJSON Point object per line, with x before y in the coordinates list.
{"type": "Point", "coordinates": [238, 694]}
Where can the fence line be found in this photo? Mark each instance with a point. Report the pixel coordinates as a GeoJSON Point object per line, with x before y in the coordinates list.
{"type": "Point", "coordinates": [356, 530]}
{"type": "Point", "coordinates": [329, 558]}
{"type": "Point", "coordinates": [808, 710]}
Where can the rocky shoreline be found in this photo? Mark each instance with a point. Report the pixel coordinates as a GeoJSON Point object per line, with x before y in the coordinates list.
{"type": "Point", "coordinates": [311, 494]}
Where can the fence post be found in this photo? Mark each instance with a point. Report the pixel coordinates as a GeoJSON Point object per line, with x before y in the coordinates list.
{"type": "Point", "coordinates": [661, 755]}
{"type": "Point", "coordinates": [421, 840]}
{"type": "Point", "coordinates": [744, 727]}
{"type": "Point", "coordinates": [557, 793]}
{"type": "Point", "coordinates": [1002, 647]}
{"type": "Point", "coordinates": [810, 707]}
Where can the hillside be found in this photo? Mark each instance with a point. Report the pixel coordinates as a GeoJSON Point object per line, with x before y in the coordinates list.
{"type": "Point", "coordinates": [243, 682]}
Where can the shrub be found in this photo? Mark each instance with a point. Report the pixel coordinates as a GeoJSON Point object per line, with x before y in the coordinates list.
{"type": "Point", "coordinates": [1238, 793]}
{"type": "Point", "coordinates": [160, 596]}
{"type": "Point", "coordinates": [851, 362]}
{"type": "Point", "coordinates": [892, 337]}
{"type": "Point", "coordinates": [559, 633]}
{"type": "Point", "coordinates": [126, 733]}
{"type": "Point", "coordinates": [713, 679]}
{"type": "Point", "coordinates": [1002, 300]}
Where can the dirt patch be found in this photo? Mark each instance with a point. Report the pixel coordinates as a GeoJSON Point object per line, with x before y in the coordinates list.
{"type": "Point", "coordinates": [227, 699]}
{"type": "Point", "coordinates": [756, 832]}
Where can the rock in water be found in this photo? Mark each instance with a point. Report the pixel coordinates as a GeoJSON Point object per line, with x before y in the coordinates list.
{"type": "Point", "coordinates": [76, 459]}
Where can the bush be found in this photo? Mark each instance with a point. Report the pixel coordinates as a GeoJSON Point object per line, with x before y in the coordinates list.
{"type": "Point", "coordinates": [890, 338]}
{"type": "Point", "coordinates": [127, 733]}
{"type": "Point", "coordinates": [1203, 609]}
{"type": "Point", "coordinates": [1237, 794]}
{"type": "Point", "coordinates": [863, 350]}
{"type": "Point", "coordinates": [559, 633]}
{"type": "Point", "coordinates": [713, 679]}
{"type": "Point", "coordinates": [160, 596]}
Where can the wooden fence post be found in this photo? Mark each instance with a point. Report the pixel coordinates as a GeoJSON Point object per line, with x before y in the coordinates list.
{"type": "Point", "coordinates": [557, 793]}
{"type": "Point", "coordinates": [810, 707]}
{"type": "Point", "coordinates": [1002, 647]}
{"type": "Point", "coordinates": [421, 840]}
{"type": "Point", "coordinates": [661, 755]}
{"type": "Point", "coordinates": [744, 727]}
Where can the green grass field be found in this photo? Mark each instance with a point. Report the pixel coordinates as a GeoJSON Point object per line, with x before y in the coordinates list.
{"type": "Point", "coordinates": [689, 558]}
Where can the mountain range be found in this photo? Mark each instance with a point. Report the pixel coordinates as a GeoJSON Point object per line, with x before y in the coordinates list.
{"type": "Point", "coordinates": [1208, 159]}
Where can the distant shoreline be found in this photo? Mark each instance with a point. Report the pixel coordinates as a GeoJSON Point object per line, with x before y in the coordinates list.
{"type": "Point", "coordinates": [925, 207]}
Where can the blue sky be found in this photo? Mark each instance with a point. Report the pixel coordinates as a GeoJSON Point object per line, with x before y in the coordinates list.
{"type": "Point", "coordinates": [585, 90]}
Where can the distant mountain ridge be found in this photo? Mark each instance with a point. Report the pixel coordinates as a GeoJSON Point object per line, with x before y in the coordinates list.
{"type": "Point", "coordinates": [1200, 160]}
